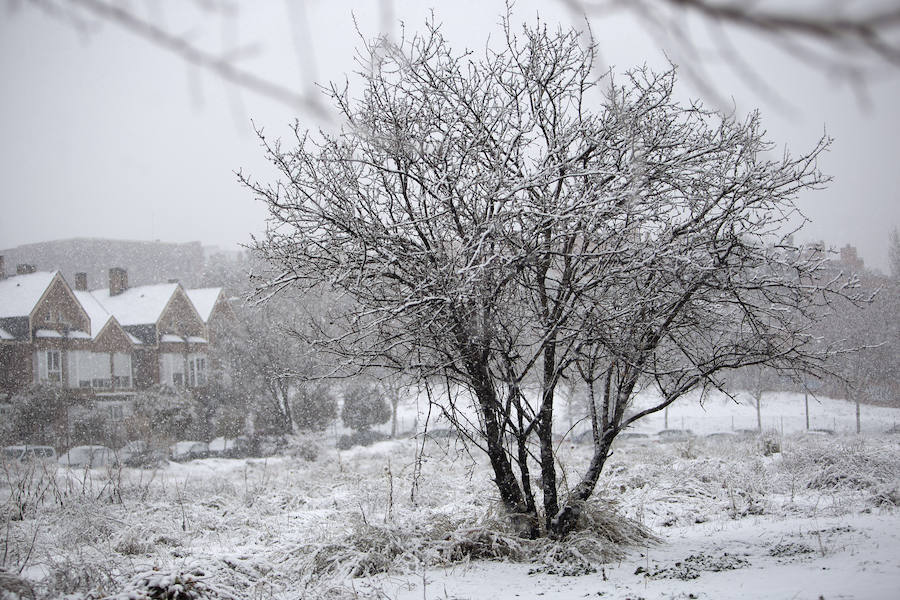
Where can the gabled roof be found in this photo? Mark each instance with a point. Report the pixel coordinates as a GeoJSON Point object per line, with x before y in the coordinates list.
{"type": "Point", "coordinates": [19, 294]}
{"type": "Point", "coordinates": [204, 300]}
{"type": "Point", "coordinates": [98, 315]}
{"type": "Point", "coordinates": [142, 305]}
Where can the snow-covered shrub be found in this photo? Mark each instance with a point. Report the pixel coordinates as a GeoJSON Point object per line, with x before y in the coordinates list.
{"type": "Point", "coordinates": [306, 447]}
{"type": "Point", "coordinates": [14, 587]}
{"type": "Point", "coordinates": [886, 495]}
{"type": "Point", "coordinates": [856, 464]}
{"type": "Point", "coordinates": [190, 584]}
{"type": "Point", "coordinates": [769, 442]}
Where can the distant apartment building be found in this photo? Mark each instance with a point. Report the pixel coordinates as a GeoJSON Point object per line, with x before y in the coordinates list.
{"type": "Point", "coordinates": [147, 262]}
{"type": "Point", "coordinates": [104, 343]}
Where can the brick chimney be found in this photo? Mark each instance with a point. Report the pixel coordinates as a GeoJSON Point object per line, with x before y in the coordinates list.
{"type": "Point", "coordinates": [25, 269]}
{"type": "Point", "coordinates": [118, 281]}
{"type": "Point", "coordinates": [2, 268]}
{"type": "Point", "coordinates": [81, 282]}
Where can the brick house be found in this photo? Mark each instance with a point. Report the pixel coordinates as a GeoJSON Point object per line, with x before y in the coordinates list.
{"type": "Point", "coordinates": [103, 344]}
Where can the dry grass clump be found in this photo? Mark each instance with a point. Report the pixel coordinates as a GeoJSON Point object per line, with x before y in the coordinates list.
{"type": "Point", "coordinates": [604, 534]}
{"type": "Point", "coordinates": [188, 584]}
{"type": "Point", "coordinates": [14, 587]}
{"type": "Point", "coordinates": [856, 464]}
{"type": "Point", "coordinates": [886, 495]}
{"type": "Point", "coordinates": [431, 539]}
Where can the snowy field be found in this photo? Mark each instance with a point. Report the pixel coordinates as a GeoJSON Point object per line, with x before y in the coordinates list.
{"type": "Point", "coordinates": [801, 516]}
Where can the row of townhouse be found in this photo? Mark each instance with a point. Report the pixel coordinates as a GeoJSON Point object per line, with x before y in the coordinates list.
{"type": "Point", "coordinates": [104, 344]}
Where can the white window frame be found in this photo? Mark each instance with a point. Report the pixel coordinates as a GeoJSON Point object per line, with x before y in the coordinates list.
{"type": "Point", "coordinates": [49, 366]}
{"type": "Point", "coordinates": [122, 375]}
{"type": "Point", "coordinates": [89, 370]}
{"type": "Point", "coordinates": [197, 370]}
{"type": "Point", "coordinates": [172, 369]}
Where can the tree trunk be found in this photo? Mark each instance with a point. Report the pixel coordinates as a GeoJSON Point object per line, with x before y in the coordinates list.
{"type": "Point", "coordinates": [395, 400]}
{"type": "Point", "coordinates": [565, 521]}
{"type": "Point", "coordinates": [545, 437]}
{"type": "Point", "coordinates": [759, 412]}
{"type": "Point", "coordinates": [523, 519]}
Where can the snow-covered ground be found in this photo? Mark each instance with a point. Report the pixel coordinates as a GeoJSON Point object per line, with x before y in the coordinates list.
{"type": "Point", "coordinates": [401, 520]}
{"type": "Point", "coordinates": [780, 411]}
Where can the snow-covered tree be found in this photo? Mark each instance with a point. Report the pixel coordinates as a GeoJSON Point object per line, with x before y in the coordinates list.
{"type": "Point", "coordinates": [504, 222]}
{"type": "Point", "coordinates": [364, 405]}
{"type": "Point", "coordinates": [894, 254]}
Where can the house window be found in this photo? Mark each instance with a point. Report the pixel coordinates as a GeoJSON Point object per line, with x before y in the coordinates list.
{"type": "Point", "coordinates": [54, 366]}
{"type": "Point", "coordinates": [89, 369]}
{"type": "Point", "coordinates": [122, 370]}
{"type": "Point", "coordinates": [197, 369]}
{"type": "Point", "coordinates": [49, 363]}
{"type": "Point", "coordinates": [171, 369]}
{"type": "Point", "coordinates": [115, 412]}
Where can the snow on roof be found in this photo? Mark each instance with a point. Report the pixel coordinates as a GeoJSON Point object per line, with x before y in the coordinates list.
{"type": "Point", "coordinates": [19, 294]}
{"type": "Point", "coordinates": [141, 305]}
{"type": "Point", "coordinates": [95, 311]}
{"type": "Point", "coordinates": [133, 339]}
{"type": "Point", "coordinates": [204, 299]}
{"type": "Point", "coordinates": [52, 333]}
{"type": "Point", "coordinates": [5, 335]}
{"type": "Point", "coordinates": [177, 339]}
{"type": "Point", "coordinates": [47, 333]}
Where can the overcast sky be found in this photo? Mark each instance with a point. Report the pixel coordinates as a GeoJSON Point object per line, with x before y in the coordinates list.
{"type": "Point", "coordinates": [107, 135]}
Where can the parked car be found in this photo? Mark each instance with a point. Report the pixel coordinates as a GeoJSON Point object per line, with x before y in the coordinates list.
{"type": "Point", "coordinates": [26, 452]}
{"type": "Point", "coordinates": [442, 433]}
{"type": "Point", "coordinates": [675, 434]}
{"type": "Point", "coordinates": [88, 456]}
{"type": "Point", "coordinates": [141, 454]}
{"type": "Point", "coordinates": [188, 450]}
{"type": "Point", "coordinates": [229, 447]}
{"type": "Point", "coordinates": [747, 432]}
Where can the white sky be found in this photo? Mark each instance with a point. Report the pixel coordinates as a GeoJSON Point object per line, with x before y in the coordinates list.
{"type": "Point", "coordinates": [105, 135]}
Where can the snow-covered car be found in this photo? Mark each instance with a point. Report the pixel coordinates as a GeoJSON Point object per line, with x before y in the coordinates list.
{"type": "Point", "coordinates": [141, 454]}
{"type": "Point", "coordinates": [227, 447]}
{"type": "Point", "coordinates": [188, 450]}
{"type": "Point", "coordinates": [675, 434]}
{"type": "Point", "coordinates": [26, 452]}
{"type": "Point", "coordinates": [88, 456]}
{"type": "Point", "coordinates": [442, 433]}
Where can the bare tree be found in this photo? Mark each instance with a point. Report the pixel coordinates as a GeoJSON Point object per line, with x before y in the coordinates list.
{"type": "Point", "coordinates": [854, 42]}
{"type": "Point", "coordinates": [505, 222]}
{"type": "Point", "coordinates": [894, 254]}
{"type": "Point", "coordinates": [267, 363]}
